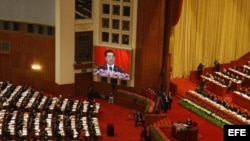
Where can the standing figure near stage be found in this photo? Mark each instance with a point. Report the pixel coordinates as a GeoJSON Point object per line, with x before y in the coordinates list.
{"type": "Point", "coordinates": [90, 93]}
{"type": "Point", "coordinates": [216, 66]}
{"type": "Point", "coordinates": [158, 103]}
{"type": "Point", "coordinates": [170, 100]}
{"type": "Point", "coordinates": [139, 119]}
{"type": "Point", "coordinates": [144, 134]}
{"type": "Point", "coordinates": [165, 102]}
{"type": "Point", "coordinates": [199, 70]}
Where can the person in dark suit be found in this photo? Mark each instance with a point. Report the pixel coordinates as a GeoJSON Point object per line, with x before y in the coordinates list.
{"type": "Point", "coordinates": [216, 66]}
{"type": "Point", "coordinates": [90, 93]}
{"type": "Point", "coordinates": [203, 84]}
{"type": "Point", "coordinates": [139, 118]}
{"type": "Point", "coordinates": [144, 134]}
{"type": "Point", "coordinates": [189, 122]}
{"type": "Point", "coordinates": [199, 70]}
{"type": "Point", "coordinates": [110, 59]}
{"type": "Point", "coordinates": [238, 111]}
{"type": "Point", "coordinates": [170, 100]}
{"type": "Point", "coordinates": [229, 86]}
{"type": "Point", "coordinates": [245, 114]}
{"type": "Point", "coordinates": [165, 102]}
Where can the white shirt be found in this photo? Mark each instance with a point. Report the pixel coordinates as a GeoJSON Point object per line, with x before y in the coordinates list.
{"type": "Point", "coordinates": [112, 66]}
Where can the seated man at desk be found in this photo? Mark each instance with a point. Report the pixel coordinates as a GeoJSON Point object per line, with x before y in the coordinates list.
{"type": "Point", "coordinates": [139, 118]}
{"type": "Point", "coordinates": [245, 114]}
{"type": "Point", "coordinates": [229, 86]}
{"type": "Point", "coordinates": [203, 84]}
{"type": "Point", "coordinates": [189, 122]}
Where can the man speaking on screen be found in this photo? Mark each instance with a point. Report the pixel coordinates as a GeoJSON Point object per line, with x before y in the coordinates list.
{"type": "Point", "coordinates": [110, 59]}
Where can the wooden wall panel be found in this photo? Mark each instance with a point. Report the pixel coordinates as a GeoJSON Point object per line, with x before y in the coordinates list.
{"type": "Point", "coordinates": [67, 90]}
{"type": "Point", "coordinates": [26, 49]}
{"type": "Point", "coordinates": [5, 67]}
{"type": "Point", "coordinates": [150, 31]}
{"type": "Point", "coordinates": [82, 83]}
{"type": "Point", "coordinates": [103, 88]}
{"type": "Point", "coordinates": [30, 48]}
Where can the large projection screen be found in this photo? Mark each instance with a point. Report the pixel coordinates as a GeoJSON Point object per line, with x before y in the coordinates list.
{"type": "Point", "coordinates": [122, 61]}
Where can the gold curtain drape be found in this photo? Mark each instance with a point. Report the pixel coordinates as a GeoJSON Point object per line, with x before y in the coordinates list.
{"type": "Point", "coordinates": [209, 30]}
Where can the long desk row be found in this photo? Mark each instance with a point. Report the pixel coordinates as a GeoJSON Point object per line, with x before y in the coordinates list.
{"type": "Point", "coordinates": [236, 83]}
{"type": "Point", "coordinates": [11, 127]}
{"type": "Point", "coordinates": [215, 86]}
{"type": "Point", "coordinates": [241, 99]}
{"type": "Point", "coordinates": [241, 74]}
{"type": "Point", "coordinates": [246, 67]}
{"type": "Point", "coordinates": [216, 108]}
{"type": "Point", "coordinates": [27, 112]}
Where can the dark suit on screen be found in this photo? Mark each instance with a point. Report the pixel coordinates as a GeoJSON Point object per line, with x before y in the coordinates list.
{"type": "Point", "coordinates": [115, 68]}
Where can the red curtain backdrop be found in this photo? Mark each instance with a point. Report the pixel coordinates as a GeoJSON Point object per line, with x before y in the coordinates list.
{"type": "Point", "coordinates": [122, 57]}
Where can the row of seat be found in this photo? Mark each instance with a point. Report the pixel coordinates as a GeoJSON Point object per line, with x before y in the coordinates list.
{"type": "Point", "coordinates": [26, 112]}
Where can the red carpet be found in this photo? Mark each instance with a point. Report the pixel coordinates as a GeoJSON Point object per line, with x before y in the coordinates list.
{"type": "Point", "coordinates": [207, 131]}
{"type": "Point", "coordinates": [126, 130]}
{"type": "Point", "coordinates": [183, 85]}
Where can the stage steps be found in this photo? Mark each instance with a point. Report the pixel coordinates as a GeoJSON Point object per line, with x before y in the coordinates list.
{"type": "Point", "coordinates": [163, 123]}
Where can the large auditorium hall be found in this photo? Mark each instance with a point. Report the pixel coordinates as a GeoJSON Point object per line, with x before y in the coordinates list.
{"type": "Point", "coordinates": [124, 70]}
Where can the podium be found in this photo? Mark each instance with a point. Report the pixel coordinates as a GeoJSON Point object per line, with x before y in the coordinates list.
{"type": "Point", "coordinates": [181, 132]}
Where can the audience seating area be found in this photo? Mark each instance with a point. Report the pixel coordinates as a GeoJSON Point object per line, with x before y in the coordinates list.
{"type": "Point", "coordinates": [225, 93]}
{"type": "Point", "coordinates": [220, 107]}
{"type": "Point", "coordinates": [26, 113]}
{"type": "Point", "coordinates": [242, 98]}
